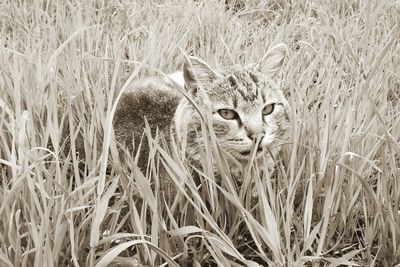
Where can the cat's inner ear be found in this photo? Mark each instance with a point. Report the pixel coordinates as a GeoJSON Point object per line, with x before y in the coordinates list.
{"type": "Point", "coordinates": [197, 73]}
{"type": "Point", "coordinates": [272, 61]}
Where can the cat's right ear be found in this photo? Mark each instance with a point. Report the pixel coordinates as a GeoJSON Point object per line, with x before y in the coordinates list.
{"type": "Point", "coordinates": [271, 62]}
{"type": "Point", "coordinates": [197, 73]}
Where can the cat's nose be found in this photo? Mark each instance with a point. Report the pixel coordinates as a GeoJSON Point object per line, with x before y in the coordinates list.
{"type": "Point", "coordinates": [256, 136]}
{"type": "Point", "coordinates": [254, 129]}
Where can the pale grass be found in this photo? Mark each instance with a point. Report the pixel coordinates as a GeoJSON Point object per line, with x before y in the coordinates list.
{"type": "Point", "coordinates": [334, 199]}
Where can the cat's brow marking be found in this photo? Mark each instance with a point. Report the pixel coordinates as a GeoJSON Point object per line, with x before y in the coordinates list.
{"type": "Point", "coordinates": [235, 102]}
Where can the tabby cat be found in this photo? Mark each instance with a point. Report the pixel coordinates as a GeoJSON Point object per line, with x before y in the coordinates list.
{"type": "Point", "coordinates": [248, 111]}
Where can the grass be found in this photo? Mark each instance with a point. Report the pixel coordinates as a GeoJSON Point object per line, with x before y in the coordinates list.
{"type": "Point", "coordinates": [334, 201]}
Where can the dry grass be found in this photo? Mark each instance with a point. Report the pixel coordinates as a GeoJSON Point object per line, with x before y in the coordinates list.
{"type": "Point", "coordinates": [335, 200]}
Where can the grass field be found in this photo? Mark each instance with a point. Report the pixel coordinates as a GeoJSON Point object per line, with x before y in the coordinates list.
{"type": "Point", "coordinates": [334, 201]}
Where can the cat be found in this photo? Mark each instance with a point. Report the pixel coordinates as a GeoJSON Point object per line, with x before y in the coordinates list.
{"type": "Point", "coordinates": [246, 105]}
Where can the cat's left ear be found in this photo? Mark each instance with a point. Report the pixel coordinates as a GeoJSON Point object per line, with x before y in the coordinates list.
{"type": "Point", "coordinates": [272, 61]}
{"type": "Point", "coordinates": [197, 73]}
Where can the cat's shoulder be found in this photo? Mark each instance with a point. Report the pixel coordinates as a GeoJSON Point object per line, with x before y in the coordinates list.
{"type": "Point", "coordinates": [158, 88]}
{"type": "Point", "coordinates": [156, 98]}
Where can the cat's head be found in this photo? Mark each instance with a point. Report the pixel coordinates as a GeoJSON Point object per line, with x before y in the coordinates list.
{"type": "Point", "coordinates": [247, 103]}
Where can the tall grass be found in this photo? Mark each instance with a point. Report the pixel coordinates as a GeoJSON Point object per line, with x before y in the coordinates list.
{"type": "Point", "coordinates": [335, 198]}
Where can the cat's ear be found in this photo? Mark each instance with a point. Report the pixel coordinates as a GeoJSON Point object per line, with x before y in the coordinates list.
{"type": "Point", "coordinates": [197, 73]}
{"type": "Point", "coordinates": [272, 61]}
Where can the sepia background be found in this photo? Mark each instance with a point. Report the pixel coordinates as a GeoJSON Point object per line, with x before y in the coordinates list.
{"type": "Point", "coordinates": [335, 199]}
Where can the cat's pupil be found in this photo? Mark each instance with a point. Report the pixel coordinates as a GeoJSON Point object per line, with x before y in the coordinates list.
{"type": "Point", "coordinates": [228, 114]}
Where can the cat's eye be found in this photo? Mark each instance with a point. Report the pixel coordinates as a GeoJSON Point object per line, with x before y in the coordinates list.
{"type": "Point", "coordinates": [268, 109]}
{"type": "Point", "coordinates": [228, 114]}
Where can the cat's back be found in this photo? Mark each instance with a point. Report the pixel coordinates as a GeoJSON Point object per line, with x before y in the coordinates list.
{"type": "Point", "coordinates": [153, 99]}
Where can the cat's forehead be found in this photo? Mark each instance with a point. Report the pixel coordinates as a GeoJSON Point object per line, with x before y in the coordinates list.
{"type": "Point", "coordinates": [243, 88]}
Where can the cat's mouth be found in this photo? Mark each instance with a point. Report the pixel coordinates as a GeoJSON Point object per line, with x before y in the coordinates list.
{"type": "Point", "coordinates": [247, 152]}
